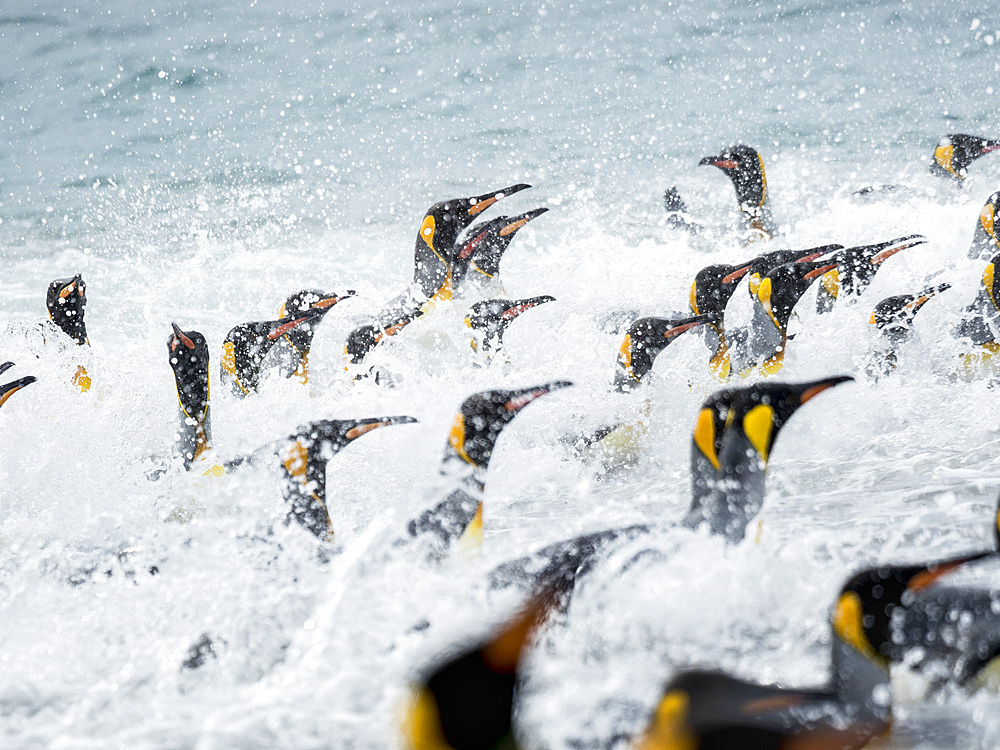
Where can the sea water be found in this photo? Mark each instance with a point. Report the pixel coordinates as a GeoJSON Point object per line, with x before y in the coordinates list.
{"type": "Point", "coordinates": [198, 162]}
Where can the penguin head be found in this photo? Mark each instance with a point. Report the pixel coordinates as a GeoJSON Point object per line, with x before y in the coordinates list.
{"type": "Point", "coordinates": [645, 339]}
{"type": "Point", "coordinates": [754, 414]}
{"type": "Point", "coordinates": [954, 153]}
{"type": "Point", "coordinates": [862, 616]}
{"type": "Point", "coordinates": [481, 419]}
{"type": "Point", "coordinates": [713, 287]}
{"type": "Point", "coordinates": [301, 312]}
{"type": "Point", "coordinates": [760, 265]}
{"type": "Point", "coordinates": [9, 389]}
{"type": "Point", "coordinates": [897, 313]}
{"type": "Point", "coordinates": [466, 702]}
{"type": "Point", "coordinates": [745, 167]}
{"type": "Point", "coordinates": [492, 316]}
{"type": "Point", "coordinates": [311, 299]}
{"type": "Point", "coordinates": [782, 287]}
{"type": "Point", "coordinates": [486, 243]}
{"type": "Point", "coordinates": [188, 352]}
{"type": "Point", "coordinates": [66, 300]}
{"type": "Point", "coordinates": [444, 221]}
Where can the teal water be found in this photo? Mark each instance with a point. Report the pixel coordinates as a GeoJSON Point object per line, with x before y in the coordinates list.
{"type": "Point", "coordinates": [199, 161]}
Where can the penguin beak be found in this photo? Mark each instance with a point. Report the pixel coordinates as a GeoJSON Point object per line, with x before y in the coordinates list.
{"type": "Point", "coordinates": [822, 385]}
{"type": "Point", "coordinates": [518, 402]}
{"type": "Point", "coordinates": [722, 162]}
{"type": "Point", "coordinates": [478, 204]}
{"type": "Point", "coordinates": [179, 337]}
{"type": "Point", "coordinates": [284, 328]}
{"type": "Point", "coordinates": [519, 221]}
{"type": "Point", "coordinates": [927, 577]}
{"type": "Point", "coordinates": [512, 312]}
{"type": "Point", "coordinates": [75, 283]}
{"type": "Point", "coordinates": [6, 391]}
{"type": "Point", "coordinates": [990, 146]}
{"type": "Point", "coordinates": [881, 257]}
{"type": "Point", "coordinates": [736, 275]}
{"type": "Point", "coordinates": [816, 272]}
{"type": "Point", "coordinates": [331, 301]}
{"type": "Point", "coordinates": [364, 426]}
{"type": "Point", "coordinates": [685, 325]}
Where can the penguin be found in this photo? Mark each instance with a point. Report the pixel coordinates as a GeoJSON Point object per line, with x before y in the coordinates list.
{"type": "Point", "coordinates": [954, 153]}
{"type": "Point", "coordinates": [703, 709]}
{"type": "Point", "coordinates": [188, 352]}
{"type": "Point", "coordinates": [857, 266]}
{"type": "Point", "coordinates": [744, 166]}
{"type": "Point", "coordinates": [466, 702]}
{"type": "Point", "coordinates": [985, 241]}
{"type": "Point", "coordinates": [643, 342]}
{"type": "Point", "coordinates": [981, 321]}
{"type": "Point", "coordinates": [433, 252]}
{"type": "Point", "coordinates": [476, 267]}
{"type": "Point", "coordinates": [246, 347]}
{"type": "Point", "coordinates": [433, 267]}
{"type": "Point", "coordinates": [457, 520]}
{"type": "Point", "coordinates": [892, 320]}
{"type": "Point", "coordinates": [733, 436]}
{"type": "Point", "coordinates": [66, 301]}
{"type": "Point", "coordinates": [760, 347]}
{"type": "Point", "coordinates": [711, 290]}
{"type": "Point", "coordinates": [489, 319]}
{"type": "Point", "coordinates": [303, 458]}
{"type": "Point", "coordinates": [731, 445]}
{"type": "Point", "coordinates": [9, 389]}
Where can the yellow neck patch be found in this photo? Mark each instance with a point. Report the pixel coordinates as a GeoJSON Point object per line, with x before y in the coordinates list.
{"type": "Point", "coordinates": [943, 156]}
{"type": "Point", "coordinates": [988, 274]}
{"type": "Point", "coordinates": [456, 438]}
{"type": "Point", "coordinates": [693, 298]}
{"type": "Point", "coordinates": [764, 296]}
{"type": "Point", "coordinates": [831, 282]}
{"type": "Point", "coordinates": [986, 219]}
{"type": "Point", "coordinates": [758, 426]}
{"type": "Point", "coordinates": [472, 538]}
{"type": "Point", "coordinates": [669, 729]}
{"type": "Point", "coordinates": [847, 624]}
{"type": "Point", "coordinates": [704, 436]}
{"type": "Point", "coordinates": [625, 356]}
{"type": "Point", "coordinates": [763, 181]}
{"type": "Point", "coordinates": [422, 724]}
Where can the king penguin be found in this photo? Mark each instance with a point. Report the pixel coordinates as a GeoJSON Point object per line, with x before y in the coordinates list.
{"type": "Point", "coordinates": [985, 241]}
{"type": "Point", "coordinates": [188, 352]}
{"type": "Point", "coordinates": [954, 153]}
{"type": "Point", "coordinates": [66, 301]}
{"type": "Point", "coordinates": [705, 710]}
{"type": "Point", "coordinates": [433, 266]}
{"type": "Point", "coordinates": [731, 446]}
{"type": "Point", "coordinates": [744, 166]}
{"type": "Point", "coordinates": [489, 320]}
{"type": "Point", "coordinates": [457, 520]}
{"type": "Point", "coordinates": [476, 266]}
{"type": "Point", "coordinates": [247, 346]}
{"type": "Point", "coordinates": [892, 320]}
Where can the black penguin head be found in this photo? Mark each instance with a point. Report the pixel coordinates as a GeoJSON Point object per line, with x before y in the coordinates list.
{"type": "Point", "coordinates": [782, 287]}
{"type": "Point", "coordinates": [862, 616]}
{"type": "Point", "coordinates": [188, 352]}
{"type": "Point", "coordinates": [645, 339]}
{"type": "Point", "coordinates": [66, 300]}
{"type": "Point", "coordinates": [745, 167]}
{"type": "Point", "coordinates": [713, 287]}
{"type": "Point", "coordinates": [760, 265]}
{"type": "Point", "coordinates": [481, 419]}
{"type": "Point", "coordinates": [302, 311]}
{"type": "Point", "coordinates": [486, 243]}
{"type": "Point", "coordinates": [467, 701]}
{"type": "Point", "coordinates": [311, 299]}
{"type": "Point", "coordinates": [304, 458]}
{"type": "Point", "coordinates": [754, 414]}
{"type": "Point", "coordinates": [492, 316]}
{"type": "Point", "coordinates": [434, 250]}
{"type": "Point", "coordinates": [9, 389]}
{"type": "Point", "coordinates": [954, 154]}
{"type": "Point", "coordinates": [897, 313]}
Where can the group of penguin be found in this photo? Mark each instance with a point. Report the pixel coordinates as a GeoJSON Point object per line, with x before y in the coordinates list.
{"type": "Point", "coordinates": [882, 615]}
